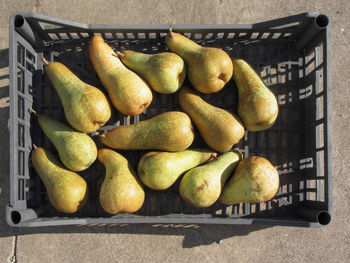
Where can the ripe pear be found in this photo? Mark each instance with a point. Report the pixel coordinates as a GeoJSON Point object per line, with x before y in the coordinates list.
{"type": "Point", "coordinates": [160, 170]}
{"type": "Point", "coordinates": [170, 131]}
{"type": "Point", "coordinates": [121, 190]}
{"type": "Point", "coordinates": [208, 68]}
{"type": "Point", "coordinates": [257, 107]}
{"type": "Point", "coordinates": [127, 91]}
{"type": "Point", "coordinates": [219, 128]}
{"type": "Point", "coordinates": [67, 191]}
{"type": "Point", "coordinates": [164, 72]}
{"type": "Point", "coordinates": [77, 150]}
{"type": "Point", "coordinates": [255, 180]}
{"type": "Point", "coordinates": [86, 107]}
{"type": "Point", "coordinates": [201, 186]}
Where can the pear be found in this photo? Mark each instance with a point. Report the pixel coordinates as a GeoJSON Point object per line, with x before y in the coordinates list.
{"type": "Point", "coordinates": [208, 68]}
{"type": "Point", "coordinates": [164, 72]}
{"type": "Point", "coordinates": [77, 150]}
{"type": "Point", "coordinates": [257, 107]}
{"type": "Point", "coordinates": [219, 128]}
{"type": "Point", "coordinates": [86, 107]}
{"type": "Point", "coordinates": [121, 190]}
{"type": "Point", "coordinates": [255, 180]}
{"type": "Point", "coordinates": [67, 191]}
{"type": "Point", "coordinates": [128, 92]}
{"type": "Point", "coordinates": [160, 170]}
{"type": "Point", "coordinates": [169, 131]}
{"type": "Point", "coordinates": [201, 186]}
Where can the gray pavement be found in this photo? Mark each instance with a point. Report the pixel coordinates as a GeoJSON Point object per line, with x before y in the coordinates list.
{"type": "Point", "coordinates": [162, 243]}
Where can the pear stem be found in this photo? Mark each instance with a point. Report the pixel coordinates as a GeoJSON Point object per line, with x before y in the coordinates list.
{"type": "Point", "coordinates": [115, 55]}
{"type": "Point", "coordinates": [214, 156]}
{"type": "Point", "coordinates": [120, 54]}
{"type": "Point", "coordinates": [98, 123]}
{"type": "Point", "coordinates": [32, 111]}
{"type": "Point", "coordinates": [35, 147]}
{"type": "Point", "coordinates": [170, 32]}
{"type": "Point", "coordinates": [45, 61]}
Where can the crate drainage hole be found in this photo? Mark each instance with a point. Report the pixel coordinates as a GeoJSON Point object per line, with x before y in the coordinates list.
{"type": "Point", "coordinates": [16, 217]}
{"type": "Point", "coordinates": [19, 21]}
{"type": "Point", "coordinates": [324, 218]}
{"type": "Point", "coordinates": [322, 21]}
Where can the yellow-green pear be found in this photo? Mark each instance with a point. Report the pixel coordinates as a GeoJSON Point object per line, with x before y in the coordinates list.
{"type": "Point", "coordinates": [77, 150]}
{"type": "Point", "coordinates": [128, 92]}
{"type": "Point", "coordinates": [202, 185]}
{"type": "Point", "coordinates": [86, 108]}
{"type": "Point", "coordinates": [208, 68]}
{"type": "Point", "coordinates": [257, 107]}
{"type": "Point", "coordinates": [160, 170]}
{"type": "Point", "coordinates": [67, 191]}
{"type": "Point", "coordinates": [219, 128]}
{"type": "Point", "coordinates": [164, 72]}
{"type": "Point", "coordinates": [121, 190]}
{"type": "Point", "coordinates": [169, 131]}
{"type": "Point", "coordinates": [255, 180]}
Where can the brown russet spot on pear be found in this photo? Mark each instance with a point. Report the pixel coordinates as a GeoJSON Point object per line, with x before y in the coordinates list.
{"type": "Point", "coordinates": [219, 128]}
{"type": "Point", "coordinates": [208, 68]}
{"type": "Point", "coordinates": [169, 131]}
{"type": "Point", "coordinates": [257, 107]}
{"type": "Point", "coordinates": [121, 190]}
{"type": "Point", "coordinates": [86, 107]}
{"type": "Point", "coordinates": [202, 185]}
{"type": "Point", "coordinates": [164, 72]}
{"type": "Point", "coordinates": [77, 150]}
{"type": "Point", "coordinates": [67, 191]}
{"type": "Point", "coordinates": [160, 170]}
{"type": "Point", "coordinates": [255, 180]}
{"type": "Point", "coordinates": [127, 91]}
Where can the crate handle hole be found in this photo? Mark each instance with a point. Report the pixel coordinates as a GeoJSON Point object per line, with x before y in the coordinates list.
{"type": "Point", "coordinates": [324, 218]}
{"type": "Point", "coordinates": [322, 21]}
{"type": "Point", "coordinates": [16, 217]}
{"type": "Point", "coordinates": [19, 21]}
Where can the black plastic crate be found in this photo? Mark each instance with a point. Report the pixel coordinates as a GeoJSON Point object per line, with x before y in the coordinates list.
{"type": "Point", "coordinates": [291, 54]}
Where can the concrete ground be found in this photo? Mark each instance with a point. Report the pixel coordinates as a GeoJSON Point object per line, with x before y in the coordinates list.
{"type": "Point", "coordinates": [135, 243]}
